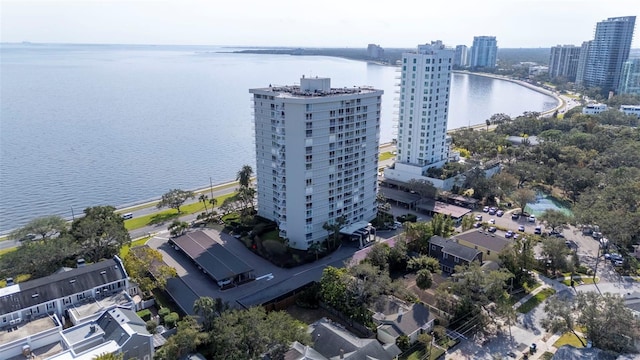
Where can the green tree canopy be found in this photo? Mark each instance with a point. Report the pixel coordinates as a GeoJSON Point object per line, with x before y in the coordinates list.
{"type": "Point", "coordinates": [244, 176]}
{"type": "Point", "coordinates": [175, 198]}
{"type": "Point", "coordinates": [100, 233]}
{"type": "Point", "coordinates": [45, 226]}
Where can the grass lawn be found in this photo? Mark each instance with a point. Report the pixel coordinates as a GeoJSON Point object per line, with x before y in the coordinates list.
{"type": "Point", "coordinates": [547, 356]}
{"type": "Point", "coordinates": [385, 156]}
{"type": "Point", "coordinates": [535, 300]}
{"type": "Point", "coordinates": [569, 338]}
{"type": "Point", "coordinates": [6, 251]}
{"type": "Point", "coordinates": [581, 281]}
{"type": "Point", "coordinates": [125, 249]}
{"type": "Point", "coordinates": [170, 214]}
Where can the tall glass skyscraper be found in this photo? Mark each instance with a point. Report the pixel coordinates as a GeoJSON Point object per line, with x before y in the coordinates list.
{"type": "Point", "coordinates": [484, 52]}
{"type": "Point", "coordinates": [607, 52]}
{"type": "Point", "coordinates": [630, 79]}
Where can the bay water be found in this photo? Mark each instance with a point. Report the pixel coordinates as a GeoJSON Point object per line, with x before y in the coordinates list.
{"type": "Point", "coordinates": [86, 125]}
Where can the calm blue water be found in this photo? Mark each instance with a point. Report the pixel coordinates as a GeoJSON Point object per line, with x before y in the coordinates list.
{"type": "Point", "coordinates": [84, 125]}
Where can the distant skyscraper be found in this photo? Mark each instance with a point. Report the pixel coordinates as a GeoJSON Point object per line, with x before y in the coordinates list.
{"type": "Point", "coordinates": [375, 51]}
{"type": "Point", "coordinates": [582, 61]}
{"type": "Point", "coordinates": [484, 52]}
{"type": "Point", "coordinates": [461, 57]}
{"type": "Point", "coordinates": [608, 51]}
{"type": "Point", "coordinates": [564, 62]}
{"type": "Point", "coordinates": [316, 156]}
{"type": "Point", "coordinates": [424, 104]}
{"type": "Point", "coordinates": [630, 79]}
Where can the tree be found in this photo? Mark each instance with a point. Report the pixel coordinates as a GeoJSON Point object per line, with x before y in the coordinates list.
{"type": "Point", "coordinates": [488, 123]}
{"type": "Point", "coordinates": [556, 251]}
{"type": "Point", "coordinates": [316, 248]}
{"type": "Point", "coordinates": [244, 176]}
{"type": "Point", "coordinates": [109, 356]}
{"type": "Point", "coordinates": [146, 268]}
{"type": "Point", "coordinates": [467, 222]}
{"type": "Point", "coordinates": [208, 309]}
{"type": "Point", "coordinates": [40, 258]}
{"type": "Point", "coordinates": [177, 228]}
{"type": "Point", "coordinates": [100, 233]}
{"type": "Point", "coordinates": [442, 225]}
{"type": "Point", "coordinates": [518, 259]}
{"type": "Point", "coordinates": [175, 198]}
{"type": "Point", "coordinates": [187, 338]}
{"type": "Point", "coordinates": [252, 333]}
{"type": "Point", "coordinates": [609, 323]}
{"type": "Point", "coordinates": [45, 226]}
{"type": "Point", "coordinates": [334, 228]}
{"type": "Point", "coordinates": [424, 262]}
{"type": "Point", "coordinates": [424, 279]}
{"type": "Point", "coordinates": [522, 197]}
{"type": "Point", "coordinates": [378, 256]}
{"type": "Point", "coordinates": [422, 187]}
{"type": "Point", "coordinates": [560, 316]}
{"type": "Point", "coordinates": [554, 219]}
{"type": "Point", "coordinates": [203, 198]}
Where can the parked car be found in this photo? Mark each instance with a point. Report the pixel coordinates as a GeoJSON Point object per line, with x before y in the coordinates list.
{"type": "Point", "coordinates": [596, 235]}
{"type": "Point", "coordinates": [508, 234]}
{"type": "Point", "coordinates": [492, 212]}
{"type": "Point", "coordinates": [492, 221]}
{"type": "Point", "coordinates": [492, 229]}
{"type": "Point", "coordinates": [515, 216]}
{"type": "Point", "coordinates": [521, 228]}
{"type": "Point", "coordinates": [477, 224]}
{"type": "Point", "coordinates": [485, 209]}
{"type": "Point", "coordinates": [538, 230]}
{"type": "Point", "coordinates": [478, 218]}
{"type": "Point", "coordinates": [532, 218]}
{"type": "Point", "coordinates": [499, 213]}
{"type": "Point", "coordinates": [516, 236]}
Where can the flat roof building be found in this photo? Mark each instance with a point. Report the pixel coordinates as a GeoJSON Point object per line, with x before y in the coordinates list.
{"type": "Point", "coordinates": [316, 156]}
{"type": "Point", "coordinates": [424, 112]}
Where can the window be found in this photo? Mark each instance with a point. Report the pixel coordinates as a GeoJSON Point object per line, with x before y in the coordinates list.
{"type": "Point", "coordinates": [445, 255]}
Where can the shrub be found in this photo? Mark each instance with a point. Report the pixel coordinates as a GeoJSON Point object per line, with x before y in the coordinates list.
{"type": "Point", "coordinates": [274, 247]}
{"type": "Point", "coordinates": [163, 312]}
{"type": "Point", "coordinates": [171, 319]}
{"type": "Point", "coordinates": [151, 326]}
{"type": "Point", "coordinates": [144, 314]}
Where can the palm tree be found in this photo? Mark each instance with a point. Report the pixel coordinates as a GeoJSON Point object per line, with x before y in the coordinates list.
{"type": "Point", "coordinates": [316, 248]}
{"type": "Point", "coordinates": [205, 307]}
{"type": "Point", "coordinates": [244, 176]}
{"type": "Point", "coordinates": [213, 202]}
{"type": "Point", "coordinates": [109, 356]}
{"type": "Point", "coordinates": [204, 198]}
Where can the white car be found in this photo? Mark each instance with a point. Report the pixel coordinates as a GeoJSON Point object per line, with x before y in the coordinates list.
{"type": "Point", "coordinates": [532, 218]}
{"type": "Point", "coordinates": [492, 221]}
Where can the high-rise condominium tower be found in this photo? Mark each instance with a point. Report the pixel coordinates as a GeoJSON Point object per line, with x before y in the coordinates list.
{"type": "Point", "coordinates": [630, 79]}
{"type": "Point", "coordinates": [484, 52]}
{"type": "Point", "coordinates": [608, 51]}
{"type": "Point", "coordinates": [316, 156]}
{"type": "Point", "coordinates": [461, 57]}
{"type": "Point", "coordinates": [564, 62]}
{"type": "Point", "coordinates": [424, 105]}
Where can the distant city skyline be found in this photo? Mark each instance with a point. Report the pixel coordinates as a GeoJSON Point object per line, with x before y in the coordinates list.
{"type": "Point", "coordinates": [289, 23]}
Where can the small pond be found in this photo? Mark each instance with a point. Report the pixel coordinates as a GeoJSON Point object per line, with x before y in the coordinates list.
{"type": "Point", "coordinates": [544, 202]}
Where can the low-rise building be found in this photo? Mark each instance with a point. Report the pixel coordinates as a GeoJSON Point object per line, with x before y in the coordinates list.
{"type": "Point", "coordinates": [450, 253]}
{"type": "Point", "coordinates": [396, 318]}
{"type": "Point", "coordinates": [490, 244]}
{"type": "Point", "coordinates": [631, 109]}
{"type": "Point", "coordinates": [592, 109]}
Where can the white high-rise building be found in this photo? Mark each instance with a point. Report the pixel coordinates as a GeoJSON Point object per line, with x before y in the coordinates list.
{"type": "Point", "coordinates": [424, 105]}
{"type": "Point", "coordinates": [316, 156]}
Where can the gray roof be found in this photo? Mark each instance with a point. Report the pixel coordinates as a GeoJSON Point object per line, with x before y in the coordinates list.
{"type": "Point", "coordinates": [214, 258]}
{"type": "Point", "coordinates": [299, 351]}
{"type": "Point", "coordinates": [59, 285]}
{"type": "Point", "coordinates": [403, 319]}
{"type": "Point", "coordinates": [568, 352]}
{"type": "Point", "coordinates": [399, 195]}
{"type": "Point", "coordinates": [331, 340]}
{"type": "Point", "coordinates": [484, 239]}
{"type": "Point", "coordinates": [453, 248]}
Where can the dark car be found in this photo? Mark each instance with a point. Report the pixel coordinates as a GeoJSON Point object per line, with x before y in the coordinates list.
{"type": "Point", "coordinates": [492, 229]}
{"type": "Point", "coordinates": [515, 216]}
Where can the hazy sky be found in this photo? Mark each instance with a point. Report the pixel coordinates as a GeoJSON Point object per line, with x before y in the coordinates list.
{"type": "Point", "coordinates": [307, 23]}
